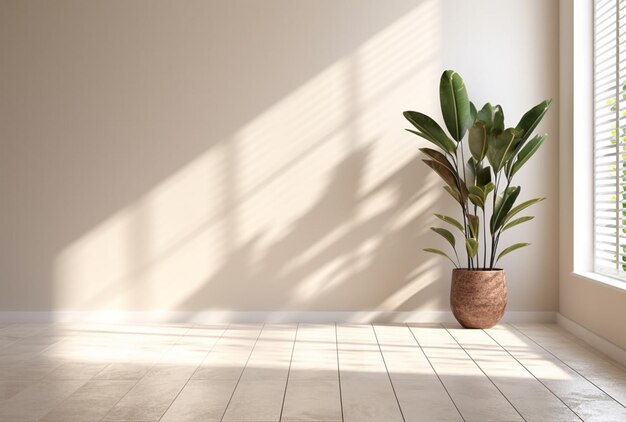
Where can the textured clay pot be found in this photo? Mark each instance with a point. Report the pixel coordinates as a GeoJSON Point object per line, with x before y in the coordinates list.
{"type": "Point", "coordinates": [478, 298]}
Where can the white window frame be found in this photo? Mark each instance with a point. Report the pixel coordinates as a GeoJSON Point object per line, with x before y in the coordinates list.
{"type": "Point", "coordinates": [577, 143]}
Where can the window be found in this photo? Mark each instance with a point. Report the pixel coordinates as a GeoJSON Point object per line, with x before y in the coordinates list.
{"type": "Point", "coordinates": [609, 55]}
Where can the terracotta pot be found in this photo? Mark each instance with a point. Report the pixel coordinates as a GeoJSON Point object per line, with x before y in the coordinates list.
{"type": "Point", "coordinates": [478, 298]}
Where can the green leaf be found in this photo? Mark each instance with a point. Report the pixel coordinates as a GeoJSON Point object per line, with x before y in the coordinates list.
{"type": "Point", "coordinates": [439, 252]}
{"type": "Point", "coordinates": [498, 120]}
{"type": "Point", "coordinates": [473, 112]}
{"type": "Point", "coordinates": [454, 192]}
{"type": "Point", "coordinates": [483, 176]}
{"type": "Point", "coordinates": [446, 234]}
{"type": "Point", "coordinates": [478, 140]}
{"type": "Point", "coordinates": [516, 222]}
{"type": "Point", "coordinates": [477, 190]}
{"type": "Point", "coordinates": [486, 115]}
{"type": "Point", "coordinates": [428, 129]}
{"type": "Point", "coordinates": [521, 207]}
{"type": "Point", "coordinates": [438, 157]}
{"type": "Point", "coordinates": [511, 249]}
{"type": "Point", "coordinates": [474, 224]}
{"type": "Point", "coordinates": [501, 149]}
{"type": "Point", "coordinates": [444, 172]}
{"type": "Point", "coordinates": [464, 192]}
{"type": "Point", "coordinates": [508, 166]}
{"type": "Point", "coordinates": [472, 246]}
{"type": "Point", "coordinates": [477, 195]}
{"type": "Point", "coordinates": [488, 188]}
{"type": "Point", "coordinates": [526, 152]}
{"type": "Point", "coordinates": [503, 206]}
{"type": "Point", "coordinates": [476, 200]}
{"type": "Point", "coordinates": [452, 221]}
{"type": "Point", "coordinates": [531, 119]}
{"type": "Point", "coordinates": [455, 105]}
{"type": "Point", "coordinates": [470, 172]}
{"type": "Point", "coordinates": [451, 178]}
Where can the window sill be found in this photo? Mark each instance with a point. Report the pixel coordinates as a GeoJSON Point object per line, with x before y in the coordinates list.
{"type": "Point", "coordinates": [602, 279]}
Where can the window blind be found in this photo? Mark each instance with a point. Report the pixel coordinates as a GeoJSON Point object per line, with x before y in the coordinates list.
{"type": "Point", "coordinates": [610, 137]}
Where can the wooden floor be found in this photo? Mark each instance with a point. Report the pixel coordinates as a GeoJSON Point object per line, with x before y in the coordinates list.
{"type": "Point", "coordinates": [304, 372]}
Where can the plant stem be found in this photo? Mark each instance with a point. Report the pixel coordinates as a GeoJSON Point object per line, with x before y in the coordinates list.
{"type": "Point", "coordinates": [499, 233]}
{"type": "Point", "coordinates": [484, 240]}
{"type": "Point", "coordinates": [457, 258]}
{"type": "Point", "coordinates": [477, 238]}
{"type": "Point", "coordinates": [464, 210]}
{"type": "Point", "coordinates": [493, 210]}
{"type": "Point", "coordinates": [470, 261]}
{"type": "Point", "coordinates": [461, 202]}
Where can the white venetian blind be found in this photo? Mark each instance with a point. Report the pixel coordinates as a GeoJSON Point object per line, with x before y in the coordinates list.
{"type": "Point", "coordinates": [610, 137]}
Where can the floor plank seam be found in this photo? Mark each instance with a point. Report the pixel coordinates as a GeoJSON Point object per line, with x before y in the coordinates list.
{"type": "Point", "coordinates": [435, 372]}
{"type": "Point", "coordinates": [483, 371]}
{"type": "Point", "coordinates": [533, 375]}
{"type": "Point", "coordinates": [393, 388]}
{"type": "Point", "coordinates": [194, 372]}
{"type": "Point", "coordinates": [242, 371]}
{"type": "Point", "coordinates": [573, 369]}
{"type": "Point", "coordinates": [293, 348]}
{"type": "Point", "coordinates": [33, 335]}
{"type": "Point", "coordinates": [140, 378]}
{"type": "Point", "coordinates": [144, 372]}
{"type": "Point", "coordinates": [10, 343]}
{"type": "Point", "coordinates": [210, 350]}
{"type": "Point", "coordinates": [120, 399]}
{"type": "Point", "coordinates": [338, 372]}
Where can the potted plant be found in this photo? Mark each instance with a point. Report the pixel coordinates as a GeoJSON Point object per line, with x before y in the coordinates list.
{"type": "Point", "coordinates": [483, 187]}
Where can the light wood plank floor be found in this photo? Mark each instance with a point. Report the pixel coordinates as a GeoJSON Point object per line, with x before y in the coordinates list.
{"type": "Point", "coordinates": [304, 372]}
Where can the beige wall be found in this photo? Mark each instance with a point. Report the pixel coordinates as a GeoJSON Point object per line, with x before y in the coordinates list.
{"type": "Point", "coordinates": [244, 155]}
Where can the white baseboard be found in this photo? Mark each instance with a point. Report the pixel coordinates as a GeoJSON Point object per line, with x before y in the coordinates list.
{"type": "Point", "coordinates": [529, 316]}
{"type": "Point", "coordinates": [200, 317]}
{"type": "Point", "coordinates": [597, 342]}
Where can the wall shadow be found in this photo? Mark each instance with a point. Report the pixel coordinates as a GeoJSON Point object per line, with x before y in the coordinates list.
{"type": "Point", "coordinates": [161, 131]}
{"type": "Point", "coordinates": [330, 252]}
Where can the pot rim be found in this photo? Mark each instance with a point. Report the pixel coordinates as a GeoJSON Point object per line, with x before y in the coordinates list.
{"type": "Point", "coordinates": [481, 271]}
